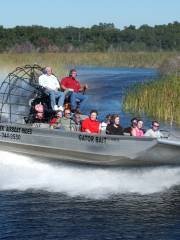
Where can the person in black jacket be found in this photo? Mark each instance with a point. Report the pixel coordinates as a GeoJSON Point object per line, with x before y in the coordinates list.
{"type": "Point", "coordinates": [115, 128]}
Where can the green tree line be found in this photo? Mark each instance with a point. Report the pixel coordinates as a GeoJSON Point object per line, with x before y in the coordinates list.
{"type": "Point", "coordinates": [104, 37]}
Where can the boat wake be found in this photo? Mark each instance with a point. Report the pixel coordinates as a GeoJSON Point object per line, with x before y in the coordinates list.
{"type": "Point", "coordinates": [21, 173]}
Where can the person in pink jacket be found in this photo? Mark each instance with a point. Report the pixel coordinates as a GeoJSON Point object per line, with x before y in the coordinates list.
{"type": "Point", "coordinates": [137, 130]}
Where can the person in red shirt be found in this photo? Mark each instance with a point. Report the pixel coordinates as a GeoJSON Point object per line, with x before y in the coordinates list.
{"type": "Point", "coordinates": [73, 88]}
{"type": "Point", "coordinates": [56, 121]}
{"type": "Point", "coordinates": [91, 124]}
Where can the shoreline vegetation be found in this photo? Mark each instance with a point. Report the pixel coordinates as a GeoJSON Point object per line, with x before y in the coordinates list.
{"type": "Point", "coordinates": [159, 99]}
{"type": "Point", "coordinates": [60, 62]}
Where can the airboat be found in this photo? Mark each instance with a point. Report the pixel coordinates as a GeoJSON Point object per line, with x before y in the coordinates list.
{"type": "Point", "coordinates": [20, 133]}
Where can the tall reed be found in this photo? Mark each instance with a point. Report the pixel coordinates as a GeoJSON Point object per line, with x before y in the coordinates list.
{"type": "Point", "coordinates": [61, 61]}
{"type": "Point", "coordinates": [159, 99]}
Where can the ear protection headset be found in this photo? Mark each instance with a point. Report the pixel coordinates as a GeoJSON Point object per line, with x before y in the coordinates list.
{"type": "Point", "coordinates": [44, 71]}
{"type": "Point", "coordinates": [94, 111]}
{"type": "Point", "coordinates": [71, 71]}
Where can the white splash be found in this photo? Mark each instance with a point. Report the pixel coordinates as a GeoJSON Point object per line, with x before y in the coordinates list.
{"type": "Point", "coordinates": [19, 172]}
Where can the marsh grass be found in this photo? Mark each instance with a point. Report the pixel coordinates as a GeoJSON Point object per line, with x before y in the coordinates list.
{"type": "Point", "coordinates": [159, 99]}
{"type": "Point", "coordinates": [60, 62]}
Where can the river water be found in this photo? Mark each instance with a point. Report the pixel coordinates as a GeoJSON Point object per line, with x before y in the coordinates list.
{"type": "Point", "coordinates": [107, 87]}
{"type": "Point", "coordinates": [47, 201]}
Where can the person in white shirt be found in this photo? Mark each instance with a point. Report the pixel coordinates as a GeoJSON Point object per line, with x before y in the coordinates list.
{"type": "Point", "coordinates": [154, 131]}
{"type": "Point", "coordinates": [52, 86]}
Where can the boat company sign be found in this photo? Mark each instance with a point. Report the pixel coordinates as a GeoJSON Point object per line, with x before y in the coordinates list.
{"type": "Point", "coordinates": [13, 132]}
{"type": "Point", "coordinates": [92, 139]}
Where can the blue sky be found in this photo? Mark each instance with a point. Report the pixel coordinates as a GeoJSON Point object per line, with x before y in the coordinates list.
{"type": "Point", "coordinates": [61, 13]}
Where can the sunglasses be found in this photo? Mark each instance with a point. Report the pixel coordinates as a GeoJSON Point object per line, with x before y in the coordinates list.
{"type": "Point", "coordinates": [156, 126]}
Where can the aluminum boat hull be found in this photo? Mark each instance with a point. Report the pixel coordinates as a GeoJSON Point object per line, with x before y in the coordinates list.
{"type": "Point", "coordinates": [79, 147]}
